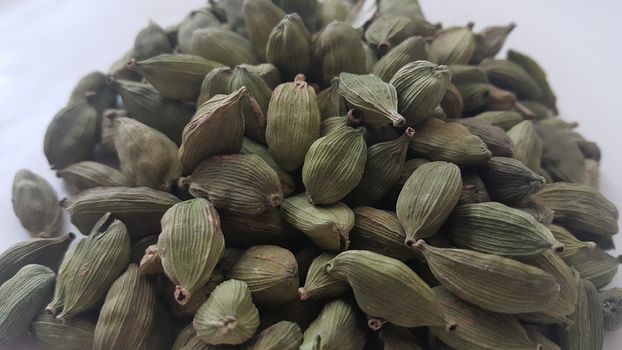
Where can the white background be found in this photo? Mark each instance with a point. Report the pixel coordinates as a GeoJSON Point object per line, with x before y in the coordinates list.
{"type": "Point", "coordinates": [47, 45]}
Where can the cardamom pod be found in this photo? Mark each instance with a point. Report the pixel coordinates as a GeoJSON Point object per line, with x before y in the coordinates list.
{"type": "Point", "coordinates": [594, 265]}
{"type": "Point", "coordinates": [452, 103]}
{"type": "Point", "coordinates": [255, 106]}
{"type": "Point", "coordinates": [188, 339]}
{"type": "Point", "coordinates": [390, 199]}
{"type": "Point", "coordinates": [386, 32]}
{"type": "Point", "coordinates": [503, 100]}
{"type": "Point", "coordinates": [533, 109]}
{"type": "Point", "coordinates": [261, 16]}
{"type": "Point", "coordinates": [266, 228]}
{"type": "Point", "coordinates": [333, 10]}
{"type": "Point", "coordinates": [473, 85]}
{"type": "Point", "coordinates": [151, 262]}
{"type": "Point", "coordinates": [319, 284]}
{"type": "Point", "coordinates": [473, 189]}
{"type": "Point", "coordinates": [488, 42]}
{"type": "Point", "coordinates": [189, 309]}
{"type": "Point", "coordinates": [509, 181]}
{"type": "Point", "coordinates": [379, 231]}
{"type": "Point", "coordinates": [537, 74]}
{"type": "Point", "coordinates": [223, 46]}
{"type": "Point", "coordinates": [570, 242]}
{"type": "Point", "coordinates": [202, 18]}
{"type": "Point", "coordinates": [398, 338]}
{"type": "Point", "coordinates": [455, 45]}
{"type": "Point", "coordinates": [119, 70]}
{"type": "Point", "coordinates": [526, 145]}
{"type": "Point", "coordinates": [503, 119]}
{"type": "Point", "coordinates": [307, 9]}
{"type": "Point", "coordinates": [401, 8]}
{"type": "Point", "coordinates": [510, 76]}
{"type": "Point", "coordinates": [35, 204]}
{"type": "Point", "coordinates": [284, 335]}
{"type": "Point", "coordinates": [586, 331]}
{"type": "Point", "coordinates": [87, 174]}
{"type": "Point", "coordinates": [561, 156]}
{"type": "Point", "coordinates": [289, 46]}
{"type": "Point", "coordinates": [336, 327]}
{"type": "Point", "coordinates": [592, 173]}
{"type": "Point", "coordinates": [151, 41]}
{"type": "Point", "coordinates": [94, 82]}
{"type": "Point", "coordinates": [544, 342]}
{"type": "Point", "coordinates": [611, 303]}
{"type": "Point", "coordinates": [76, 334]}
{"type": "Point", "coordinates": [409, 50]}
{"type": "Point", "coordinates": [495, 138]}
{"type": "Point", "coordinates": [267, 71]}
{"type": "Point", "coordinates": [335, 49]}
{"type": "Point", "coordinates": [215, 83]}
{"type": "Point", "coordinates": [331, 124]}
{"type": "Point", "coordinates": [106, 136]}
{"type": "Point", "coordinates": [329, 102]}
{"type": "Point", "coordinates": [288, 184]}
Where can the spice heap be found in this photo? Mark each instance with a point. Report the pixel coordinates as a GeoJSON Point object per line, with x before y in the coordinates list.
{"type": "Point", "coordinates": [277, 175]}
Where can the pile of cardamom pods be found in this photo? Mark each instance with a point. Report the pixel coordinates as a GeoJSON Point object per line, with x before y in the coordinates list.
{"type": "Point", "coordinates": [304, 174]}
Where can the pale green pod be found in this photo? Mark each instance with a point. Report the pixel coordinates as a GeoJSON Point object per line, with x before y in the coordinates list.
{"type": "Point", "coordinates": [527, 146]}
{"type": "Point", "coordinates": [420, 88]}
{"type": "Point", "coordinates": [510, 76]}
{"type": "Point", "coordinates": [494, 228]}
{"type": "Point", "coordinates": [140, 208]}
{"type": "Point", "coordinates": [454, 45]}
{"type": "Point", "coordinates": [190, 245]}
{"type": "Point", "coordinates": [118, 69]}
{"type": "Point", "coordinates": [334, 165]}
{"type": "Point", "coordinates": [335, 49]}
{"type": "Point", "coordinates": [166, 292]}
{"type": "Point", "coordinates": [370, 57]}
{"type": "Point", "coordinates": [319, 284]}
{"type": "Point", "coordinates": [509, 181]}
{"type": "Point", "coordinates": [188, 339]}
{"type": "Point", "coordinates": [289, 47]}
{"type": "Point", "coordinates": [503, 285]}
{"type": "Point", "coordinates": [427, 198]}
{"type": "Point", "coordinates": [537, 74]}
{"type": "Point", "coordinates": [409, 50]}
{"type": "Point", "coordinates": [270, 272]}
{"type": "Point", "coordinates": [288, 183]}
{"type": "Point", "coordinates": [480, 329]}
{"type": "Point", "coordinates": [379, 231]}
{"type": "Point", "coordinates": [378, 281]}
{"type": "Point", "coordinates": [42, 251]}
{"type": "Point", "coordinates": [503, 119]}
{"type": "Point", "coordinates": [293, 123]}
{"type": "Point", "coordinates": [261, 16]}
{"type": "Point", "coordinates": [561, 155]}
{"type": "Point", "coordinates": [328, 227]}
{"type": "Point", "coordinates": [570, 242]}
{"type": "Point", "coordinates": [267, 71]}
{"type": "Point", "coordinates": [333, 10]}
{"type": "Point", "coordinates": [587, 330]}
{"type": "Point", "coordinates": [489, 41]}
{"type": "Point", "coordinates": [61, 280]}
{"type": "Point", "coordinates": [178, 77]}
{"type": "Point", "coordinates": [228, 316]}
{"type": "Point", "coordinates": [151, 41]}
{"type": "Point", "coordinates": [215, 83]}
{"type": "Point", "coordinates": [237, 183]}
{"type": "Point", "coordinates": [398, 338]}
{"type": "Point", "coordinates": [473, 85]}
{"type": "Point", "coordinates": [76, 334]}
{"type": "Point", "coordinates": [224, 46]}
{"type": "Point", "coordinates": [494, 137]}
{"type": "Point", "coordinates": [407, 8]}
{"type": "Point", "coordinates": [330, 103]}
{"type": "Point", "coordinates": [217, 127]}
{"type": "Point", "coordinates": [88, 174]}
{"type": "Point", "coordinates": [94, 82]}
{"type": "Point", "coordinates": [594, 265]}
{"type": "Point", "coordinates": [23, 296]}
{"type": "Point", "coordinates": [284, 335]}
{"type": "Point", "coordinates": [333, 123]}
{"type": "Point", "coordinates": [156, 165]}
{"type": "Point", "coordinates": [373, 98]}
{"type": "Point", "coordinates": [579, 208]}
{"type": "Point", "coordinates": [336, 327]}
{"type": "Point", "coordinates": [35, 204]}
{"type": "Point", "coordinates": [386, 32]}
{"type": "Point", "coordinates": [254, 107]}
{"type": "Point", "coordinates": [610, 303]}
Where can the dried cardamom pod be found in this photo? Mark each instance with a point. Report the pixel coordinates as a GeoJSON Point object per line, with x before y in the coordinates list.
{"type": "Point", "coordinates": [87, 174]}
{"type": "Point", "coordinates": [146, 105]}
{"type": "Point", "coordinates": [94, 82]}
{"type": "Point", "coordinates": [156, 166]}
{"type": "Point", "coordinates": [215, 83]}
{"type": "Point", "coordinates": [330, 103]}
{"type": "Point", "coordinates": [289, 46]}
{"type": "Point", "coordinates": [570, 242]}
{"type": "Point", "coordinates": [473, 85]}
{"type": "Point", "coordinates": [509, 181]}
{"type": "Point", "coordinates": [119, 70]}
{"type": "Point", "coordinates": [533, 109]}
{"type": "Point", "coordinates": [23, 296]}
{"type": "Point", "coordinates": [592, 173]}
{"type": "Point", "coordinates": [254, 107]}
{"type": "Point", "coordinates": [338, 326]}
{"type": "Point", "coordinates": [71, 135]}
{"type": "Point", "coordinates": [379, 231]}
{"type": "Point", "coordinates": [307, 9]}
{"type": "Point", "coordinates": [220, 121]}
{"type": "Point", "coordinates": [223, 46]}
{"type": "Point", "coordinates": [191, 236]}
{"type": "Point", "coordinates": [479, 329]}
{"type": "Point", "coordinates": [561, 156]}
{"type": "Point", "coordinates": [139, 208]}
{"type": "Point", "coordinates": [188, 339]}
{"type": "Point", "coordinates": [284, 335]}
{"type": "Point", "coordinates": [454, 45]}
{"type": "Point", "coordinates": [267, 71]}
{"type": "Point", "coordinates": [526, 145]}
{"type": "Point", "coordinates": [189, 309]}
{"type": "Point", "coordinates": [503, 119]}
{"type": "Point", "coordinates": [530, 66]}
{"type": "Point", "coordinates": [327, 227]}
{"type": "Point", "coordinates": [334, 165]}
{"type": "Point", "coordinates": [579, 208]}
{"type": "Point", "coordinates": [386, 32]}
{"type": "Point", "coordinates": [392, 280]}
{"type": "Point", "coordinates": [335, 49]}
{"type": "Point", "coordinates": [151, 262]}
{"type": "Point", "coordinates": [270, 272]}
{"type": "Point", "coordinates": [494, 228]}
{"type": "Point", "coordinates": [510, 76]}
{"type": "Point", "coordinates": [231, 12]}
{"type": "Point", "coordinates": [503, 285]}
{"type": "Point", "coordinates": [586, 331]}
{"type": "Point", "coordinates": [319, 284]}
{"type": "Point", "coordinates": [427, 198]}
{"type": "Point", "coordinates": [611, 303]}
{"type": "Point", "coordinates": [288, 184]}
{"type": "Point", "coordinates": [266, 228]}
{"type": "Point", "coordinates": [151, 41]}
{"type": "Point", "coordinates": [237, 183]}
{"type": "Point", "coordinates": [488, 42]}
{"type": "Point", "coordinates": [452, 103]}
{"type": "Point", "coordinates": [293, 123]}
{"type": "Point", "coordinates": [409, 50]}
{"type": "Point", "coordinates": [42, 251]}
{"type": "Point", "coordinates": [130, 315]}
{"type": "Point", "coordinates": [331, 124]}
{"type": "Point", "coordinates": [495, 138]}
{"type": "Point", "coordinates": [333, 10]}
{"type": "Point", "coordinates": [594, 265]}
{"type": "Point", "coordinates": [398, 338]}
{"type": "Point", "coordinates": [370, 57]}
{"type": "Point", "coordinates": [106, 139]}
{"type": "Point", "coordinates": [473, 189]}
{"type": "Point", "coordinates": [401, 8]}
{"type": "Point", "coordinates": [261, 16]}
{"type": "Point", "coordinates": [503, 100]}
{"type": "Point", "coordinates": [228, 316]}
{"type": "Point", "coordinates": [199, 19]}
{"type": "Point", "coordinates": [76, 334]}
{"type": "Point", "coordinates": [35, 204]}
{"type": "Point", "coordinates": [420, 88]}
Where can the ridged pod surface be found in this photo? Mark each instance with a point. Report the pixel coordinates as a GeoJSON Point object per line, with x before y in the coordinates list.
{"type": "Point", "coordinates": [76, 334]}
{"type": "Point", "coordinates": [503, 119]}
{"type": "Point", "coordinates": [224, 46]}
{"type": "Point", "coordinates": [587, 330]}
{"type": "Point", "coordinates": [391, 280]}
{"type": "Point", "coordinates": [410, 50]}
{"type": "Point", "coordinates": [427, 198]}
{"type": "Point", "coordinates": [335, 49]}
{"type": "Point", "coordinates": [473, 85]}
{"type": "Point", "coordinates": [337, 327]}
{"type": "Point", "coordinates": [93, 82]}
{"type": "Point", "coordinates": [215, 83]}
{"type": "Point", "coordinates": [188, 339]}
{"type": "Point", "coordinates": [386, 32]}
{"type": "Point", "coordinates": [328, 227]}
{"type": "Point", "coordinates": [503, 285]}
{"type": "Point", "coordinates": [536, 72]}
{"type": "Point", "coordinates": [35, 204]}
{"type": "Point", "coordinates": [284, 335]}
{"type": "Point", "coordinates": [453, 46]}
{"type": "Point", "coordinates": [334, 165]}
{"type": "Point", "coordinates": [319, 284]}
{"type": "Point", "coordinates": [190, 245]}
{"type": "Point", "coordinates": [288, 184]}
{"type": "Point", "coordinates": [379, 231]}
{"type": "Point", "coordinates": [595, 265]}
{"type": "Point", "coordinates": [398, 338]}
{"type": "Point", "coordinates": [88, 174]}
{"type": "Point", "coordinates": [289, 46]}
{"type": "Point", "coordinates": [509, 181]}
{"type": "Point", "coordinates": [267, 71]}
{"type": "Point", "coordinates": [239, 183]}
{"type": "Point", "coordinates": [261, 16]}
{"type": "Point", "coordinates": [527, 146]}
{"type": "Point", "coordinates": [255, 107]}
{"type": "Point", "coordinates": [202, 18]}
{"type": "Point", "coordinates": [495, 138]}
{"type": "Point", "coordinates": [570, 242]}
{"type": "Point", "coordinates": [488, 41]}
{"type": "Point", "coordinates": [330, 103]}
{"type": "Point", "coordinates": [510, 76]}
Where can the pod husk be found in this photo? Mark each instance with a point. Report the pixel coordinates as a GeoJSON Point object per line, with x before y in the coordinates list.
{"type": "Point", "coordinates": [587, 331]}
{"type": "Point", "coordinates": [261, 16]}
{"type": "Point", "coordinates": [223, 46]}
{"type": "Point", "coordinates": [336, 327]}
{"type": "Point", "coordinates": [289, 46]}
{"type": "Point", "coordinates": [255, 106]}
{"type": "Point", "coordinates": [284, 335]}
{"type": "Point", "coordinates": [88, 174]}
{"type": "Point", "coordinates": [335, 49]}
{"type": "Point", "coordinates": [379, 231]}
{"type": "Point", "coordinates": [35, 204]}
{"type": "Point", "coordinates": [409, 50]}
{"type": "Point", "coordinates": [509, 181]}
{"type": "Point", "coordinates": [76, 334]}
{"type": "Point", "coordinates": [319, 284]}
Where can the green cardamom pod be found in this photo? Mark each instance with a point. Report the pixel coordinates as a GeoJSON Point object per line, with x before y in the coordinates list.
{"type": "Point", "coordinates": [119, 70]}
{"type": "Point", "coordinates": [510, 76]}
{"type": "Point", "coordinates": [570, 242]}
{"type": "Point", "coordinates": [335, 49]}
{"type": "Point", "coordinates": [267, 71]}
{"type": "Point", "coordinates": [188, 339]}
{"type": "Point", "coordinates": [238, 183]}
{"type": "Point", "coordinates": [228, 316]}
{"type": "Point", "coordinates": [94, 82]}
{"type": "Point", "coordinates": [452, 103]}
{"type": "Point", "coordinates": [473, 189]}
{"type": "Point", "coordinates": [261, 16]}
{"type": "Point", "coordinates": [379, 231]}
{"type": "Point", "coordinates": [427, 198]}
{"type": "Point", "coordinates": [254, 107]}
{"type": "Point", "coordinates": [406, 8]}
{"type": "Point", "coordinates": [503, 119]}
{"type": "Point", "coordinates": [87, 174]}
{"type": "Point", "coordinates": [537, 74]}
{"type": "Point", "coordinates": [336, 327]}
{"type": "Point", "coordinates": [191, 236]}
{"type": "Point", "coordinates": [611, 303]}
{"type": "Point", "coordinates": [331, 124]}
{"type": "Point", "coordinates": [488, 42]}
{"type": "Point", "coordinates": [594, 265]}
{"type": "Point", "coordinates": [333, 10]}
{"type": "Point", "coordinates": [266, 228]}
{"type": "Point", "coordinates": [106, 135]}
{"type": "Point", "coordinates": [409, 50]}
{"type": "Point", "coordinates": [223, 46]}
{"type": "Point", "coordinates": [270, 272]}
{"type": "Point", "coordinates": [330, 103]}
{"type": "Point", "coordinates": [307, 9]}
{"type": "Point", "coordinates": [319, 284]}
{"type": "Point", "coordinates": [151, 262]}
{"type": "Point", "coordinates": [151, 41]}
{"type": "Point", "coordinates": [288, 184]}
{"type": "Point", "coordinates": [587, 330]}
{"type": "Point", "coordinates": [527, 146]}
{"type": "Point", "coordinates": [76, 334]}
{"type": "Point", "coordinates": [509, 181]}
{"type": "Point", "coordinates": [182, 312]}
{"type": "Point", "coordinates": [334, 165]}
{"type": "Point", "coordinates": [215, 83]}
{"type": "Point", "coordinates": [389, 200]}
{"type": "Point", "coordinates": [202, 18]}
{"type": "Point", "coordinates": [284, 335]}
{"type": "Point", "coordinates": [473, 85]}
{"type": "Point", "coordinates": [561, 156]}
{"type": "Point", "coordinates": [386, 32]}
{"type": "Point", "coordinates": [35, 204]}
{"type": "Point", "coordinates": [533, 109]}
{"type": "Point", "coordinates": [289, 46]}
{"type": "Point", "coordinates": [495, 138]}
{"type": "Point", "coordinates": [398, 338]}
{"type": "Point", "coordinates": [455, 45]}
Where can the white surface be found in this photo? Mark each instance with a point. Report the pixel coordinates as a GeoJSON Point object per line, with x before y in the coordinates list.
{"type": "Point", "coordinates": [47, 45]}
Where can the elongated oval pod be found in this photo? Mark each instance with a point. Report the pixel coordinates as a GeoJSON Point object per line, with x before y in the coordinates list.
{"type": "Point", "coordinates": [427, 198]}
{"type": "Point", "coordinates": [293, 123]}
{"type": "Point", "coordinates": [88, 174]}
{"type": "Point", "coordinates": [224, 46]}
{"type": "Point", "coordinates": [510, 76]}
{"type": "Point", "coordinates": [270, 272]}
{"type": "Point", "coordinates": [288, 184]}
{"type": "Point", "coordinates": [536, 72]}
{"type": "Point", "coordinates": [527, 146]}
{"type": "Point", "coordinates": [188, 339]}
{"type": "Point", "coordinates": [217, 127]}
{"type": "Point", "coordinates": [386, 32]}
{"type": "Point", "coordinates": [289, 46]}
{"type": "Point", "coordinates": [35, 204]}
{"type": "Point", "coordinates": [330, 103]}
{"type": "Point", "coordinates": [42, 251]}
{"type": "Point", "coordinates": [215, 83]}
{"type": "Point", "coordinates": [473, 85]}
{"type": "Point", "coordinates": [509, 181]}
{"type": "Point", "coordinates": [570, 242]}
{"type": "Point", "coordinates": [338, 326]}
{"type": "Point", "coordinates": [480, 329]}
{"type": "Point", "coordinates": [587, 330]}
{"type": "Point", "coordinates": [261, 16]}
{"type": "Point", "coordinates": [409, 50]}
{"type": "Point", "coordinates": [266, 228]}
{"type": "Point", "coordinates": [495, 138]}
{"type": "Point", "coordinates": [333, 10]}
{"type": "Point", "coordinates": [255, 106]}
{"type": "Point", "coordinates": [391, 280]}
{"type": "Point", "coordinates": [267, 71]}
{"type": "Point", "coordinates": [202, 18]}
{"type": "Point", "coordinates": [190, 245]}
{"type": "Point", "coordinates": [228, 316]}
{"type": "Point", "coordinates": [595, 265]}
{"type": "Point", "coordinates": [379, 231]}
{"type": "Point", "coordinates": [494, 228]}
{"type": "Point", "coordinates": [561, 155]}
{"type": "Point", "coordinates": [239, 183]}
{"type": "Point", "coordinates": [140, 208]}
{"type": "Point", "coordinates": [334, 165]}
{"type": "Point", "coordinates": [488, 41]}
{"type": "Point", "coordinates": [76, 334]}
{"type": "Point", "coordinates": [503, 285]}
{"type": "Point", "coordinates": [328, 227]}
{"type": "Point", "coordinates": [319, 284]}
{"type": "Point", "coordinates": [333, 123]}
{"type": "Point", "coordinates": [23, 296]}
{"type": "Point", "coordinates": [398, 338]}
{"type": "Point", "coordinates": [284, 335]}
{"type": "Point", "coordinates": [503, 119]}
{"type": "Point", "coordinates": [335, 49]}
{"type": "Point", "coordinates": [454, 45]}
{"type": "Point", "coordinates": [151, 41]}
{"type": "Point", "coordinates": [96, 82]}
